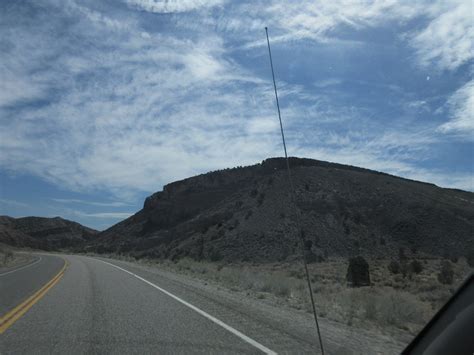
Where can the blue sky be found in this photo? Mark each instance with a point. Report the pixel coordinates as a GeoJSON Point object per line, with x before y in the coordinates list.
{"type": "Point", "coordinates": [104, 102]}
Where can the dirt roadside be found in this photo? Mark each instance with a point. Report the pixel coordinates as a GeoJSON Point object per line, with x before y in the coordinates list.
{"type": "Point", "coordinates": [340, 338]}
{"type": "Point", "coordinates": [10, 259]}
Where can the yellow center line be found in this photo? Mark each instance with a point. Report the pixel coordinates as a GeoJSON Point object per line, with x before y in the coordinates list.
{"type": "Point", "coordinates": [12, 316]}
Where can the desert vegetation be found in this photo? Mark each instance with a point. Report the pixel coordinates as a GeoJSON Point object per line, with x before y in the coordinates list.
{"type": "Point", "coordinates": [391, 301]}
{"type": "Point", "coordinates": [6, 256]}
{"type": "Point", "coordinates": [12, 257]}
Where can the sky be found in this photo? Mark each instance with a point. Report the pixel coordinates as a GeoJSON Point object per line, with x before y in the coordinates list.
{"type": "Point", "coordinates": [104, 102]}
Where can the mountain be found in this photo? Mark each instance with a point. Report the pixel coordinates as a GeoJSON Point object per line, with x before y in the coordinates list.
{"type": "Point", "coordinates": [43, 233]}
{"type": "Point", "coordinates": [246, 213]}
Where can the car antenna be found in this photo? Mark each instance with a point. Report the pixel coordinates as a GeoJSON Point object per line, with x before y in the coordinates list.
{"type": "Point", "coordinates": [293, 198]}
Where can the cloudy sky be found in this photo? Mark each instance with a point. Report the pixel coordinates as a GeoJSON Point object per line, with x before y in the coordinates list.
{"type": "Point", "coordinates": [104, 102]}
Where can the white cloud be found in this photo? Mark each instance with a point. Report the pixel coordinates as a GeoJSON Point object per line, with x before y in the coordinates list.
{"type": "Point", "coordinates": [16, 88]}
{"type": "Point", "coordinates": [328, 82]}
{"type": "Point", "coordinates": [263, 125]}
{"type": "Point", "coordinates": [91, 203]}
{"type": "Point", "coordinates": [461, 105]}
{"type": "Point", "coordinates": [314, 20]}
{"type": "Point", "coordinates": [135, 111]}
{"type": "Point", "coordinates": [107, 215]}
{"type": "Point", "coordinates": [96, 17]}
{"type": "Point", "coordinates": [395, 164]}
{"type": "Point", "coordinates": [448, 40]}
{"type": "Point", "coordinates": [13, 203]}
{"type": "Point", "coordinates": [164, 108]}
{"type": "Point", "coordinates": [172, 6]}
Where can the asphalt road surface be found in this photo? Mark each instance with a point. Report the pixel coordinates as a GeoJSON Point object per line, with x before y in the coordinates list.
{"type": "Point", "coordinates": [77, 304]}
{"type": "Point", "coordinates": [97, 307]}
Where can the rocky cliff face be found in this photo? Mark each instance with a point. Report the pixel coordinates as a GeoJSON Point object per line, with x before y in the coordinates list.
{"type": "Point", "coordinates": [43, 233]}
{"type": "Point", "coordinates": [246, 213]}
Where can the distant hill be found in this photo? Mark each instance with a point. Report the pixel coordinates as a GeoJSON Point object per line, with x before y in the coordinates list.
{"type": "Point", "coordinates": [245, 213]}
{"type": "Point", "coordinates": [43, 233]}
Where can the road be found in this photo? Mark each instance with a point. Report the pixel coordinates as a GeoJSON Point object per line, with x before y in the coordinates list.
{"type": "Point", "coordinates": [92, 306]}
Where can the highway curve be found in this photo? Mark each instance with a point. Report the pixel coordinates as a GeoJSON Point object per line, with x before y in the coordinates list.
{"type": "Point", "coordinates": [92, 306]}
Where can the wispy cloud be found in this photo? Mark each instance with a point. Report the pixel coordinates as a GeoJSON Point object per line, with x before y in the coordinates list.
{"type": "Point", "coordinates": [447, 41]}
{"type": "Point", "coordinates": [14, 203]}
{"type": "Point", "coordinates": [107, 215]}
{"type": "Point", "coordinates": [461, 108]}
{"type": "Point", "coordinates": [91, 203]}
{"type": "Point", "coordinates": [172, 6]}
{"type": "Point", "coordinates": [145, 124]}
{"type": "Point", "coordinates": [314, 20]}
{"type": "Point", "coordinates": [124, 103]}
{"type": "Point", "coordinates": [327, 82]}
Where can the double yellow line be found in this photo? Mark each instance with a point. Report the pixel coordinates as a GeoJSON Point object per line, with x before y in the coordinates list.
{"type": "Point", "coordinates": [12, 316]}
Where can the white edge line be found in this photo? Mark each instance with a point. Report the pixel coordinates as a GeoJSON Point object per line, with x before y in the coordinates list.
{"type": "Point", "coordinates": [201, 312]}
{"type": "Point", "coordinates": [23, 267]}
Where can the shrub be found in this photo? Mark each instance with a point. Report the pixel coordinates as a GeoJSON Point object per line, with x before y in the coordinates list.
{"type": "Point", "coordinates": [326, 254]}
{"type": "Point", "coordinates": [401, 254]}
{"type": "Point", "coordinates": [347, 230]}
{"type": "Point", "coordinates": [358, 272]}
{"type": "Point", "coordinates": [394, 267]}
{"type": "Point", "coordinates": [214, 255]}
{"type": "Point", "coordinates": [311, 257]}
{"type": "Point", "coordinates": [358, 218]}
{"type": "Point", "coordinates": [6, 256]}
{"type": "Point", "coordinates": [446, 273]}
{"type": "Point", "coordinates": [399, 308]}
{"type": "Point", "coordinates": [416, 266]}
{"type": "Point", "coordinates": [470, 258]}
{"type": "Point", "coordinates": [175, 256]}
{"type": "Point", "coordinates": [405, 269]}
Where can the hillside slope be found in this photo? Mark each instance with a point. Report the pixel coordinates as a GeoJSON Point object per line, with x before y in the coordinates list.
{"type": "Point", "coordinates": [43, 233]}
{"type": "Point", "coordinates": [245, 214]}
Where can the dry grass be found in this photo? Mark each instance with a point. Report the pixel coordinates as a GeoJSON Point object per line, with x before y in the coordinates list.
{"type": "Point", "coordinates": [393, 301]}
{"type": "Point", "coordinates": [6, 256]}
{"type": "Point", "coordinates": [10, 257]}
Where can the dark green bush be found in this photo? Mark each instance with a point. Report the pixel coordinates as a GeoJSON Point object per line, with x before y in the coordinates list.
{"type": "Point", "coordinates": [394, 267]}
{"type": "Point", "coordinates": [470, 258]}
{"type": "Point", "coordinates": [401, 254]}
{"type": "Point", "coordinates": [446, 273]}
{"type": "Point", "coordinates": [416, 266]}
{"type": "Point", "coordinates": [311, 257]}
{"type": "Point", "coordinates": [248, 214]}
{"type": "Point", "coordinates": [358, 272]}
{"type": "Point", "coordinates": [215, 255]}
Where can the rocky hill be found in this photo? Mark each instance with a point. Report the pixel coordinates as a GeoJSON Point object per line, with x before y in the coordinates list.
{"type": "Point", "coordinates": [245, 213]}
{"type": "Point", "coordinates": [43, 233]}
